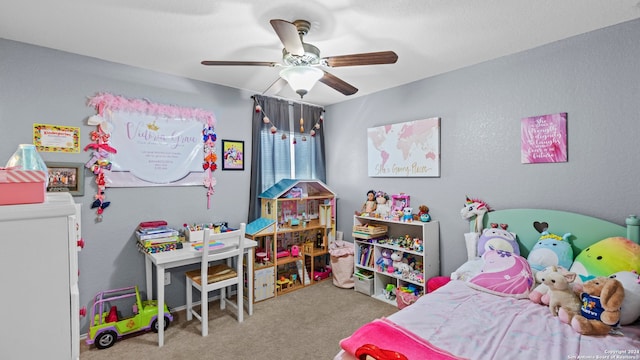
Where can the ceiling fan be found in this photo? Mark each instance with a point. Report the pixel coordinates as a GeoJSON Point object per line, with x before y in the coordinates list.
{"type": "Point", "coordinates": [302, 61]}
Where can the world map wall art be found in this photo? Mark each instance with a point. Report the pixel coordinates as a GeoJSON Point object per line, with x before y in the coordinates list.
{"type": "Point", "coordinates": [408, 149]}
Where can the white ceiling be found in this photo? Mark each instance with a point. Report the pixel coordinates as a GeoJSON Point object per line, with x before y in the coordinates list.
{"type": "Point", "coordinates": [430, 36]}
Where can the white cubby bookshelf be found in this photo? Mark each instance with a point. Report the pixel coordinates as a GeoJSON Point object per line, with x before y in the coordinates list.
{"type": "Point", "coordinates": [382, 235]}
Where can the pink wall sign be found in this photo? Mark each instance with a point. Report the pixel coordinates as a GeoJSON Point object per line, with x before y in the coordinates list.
{"type": "Point", "coordinates": [544, 139]}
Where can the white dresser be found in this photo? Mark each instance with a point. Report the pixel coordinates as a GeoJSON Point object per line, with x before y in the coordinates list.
{"type": "Point", "coordinates": [39, 279]}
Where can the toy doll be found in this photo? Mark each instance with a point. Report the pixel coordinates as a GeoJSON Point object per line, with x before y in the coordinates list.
{"type": "Point", "coordinates": [370, 205]}
{"type": "Point", "coordinates": [382, 206]}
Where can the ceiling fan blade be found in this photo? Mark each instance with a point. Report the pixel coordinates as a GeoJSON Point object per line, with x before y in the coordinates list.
{"type": "Point", "coordinates": [275, 87]}
{"type": "Point", "coordinates": [372, 58]}
{"type": "Point", "coordinates": [288, 34]}
{"type": "Point", "coordinates": [239, 63]}
{"type": "Point", "coordinates": [338, 84]}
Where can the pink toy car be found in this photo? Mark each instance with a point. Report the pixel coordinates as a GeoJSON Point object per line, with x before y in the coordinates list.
{"type": "Point", "coordinates": [321, 273]}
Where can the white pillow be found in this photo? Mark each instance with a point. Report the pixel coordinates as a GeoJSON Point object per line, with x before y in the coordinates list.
{"type": "Point", "coordinates": [468, 270]}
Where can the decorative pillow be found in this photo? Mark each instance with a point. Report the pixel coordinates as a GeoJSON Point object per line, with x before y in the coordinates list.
{"type": "Point", "coordinates": [471, 242]}
{"type": "Point", "coordinates": [551, 250]}
{"type": "Point", "coordinates": [630, 310]}
{"type": "Point", "coordinates": [497, 238]}
{"type": "Point", "coordinates": [504, 274]}
{"type": "Point", "coordinates": [607, 257]}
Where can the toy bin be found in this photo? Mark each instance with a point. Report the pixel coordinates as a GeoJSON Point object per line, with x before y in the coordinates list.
{"type": "Point", "coordinates": [22, 186]}
{"type": "Point", "coordinates": [194, 235]}
{"type": "Point", "coordinates": [342, 263]}
{"type": "Point", "coordinates": [369, 231]}
{"type": "Point", "coordinates": [364, 286]}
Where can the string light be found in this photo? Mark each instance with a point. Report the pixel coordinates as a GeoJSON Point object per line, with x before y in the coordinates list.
{"type": "Point", "coordinates": [273, 129]}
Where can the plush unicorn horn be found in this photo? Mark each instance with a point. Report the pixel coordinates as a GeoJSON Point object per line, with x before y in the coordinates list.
{"type": "Point", "coordinates": [477, 208]}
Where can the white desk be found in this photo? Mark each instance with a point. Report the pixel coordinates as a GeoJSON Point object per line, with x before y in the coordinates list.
{"type": "Point", "coordinates": [186, 256]}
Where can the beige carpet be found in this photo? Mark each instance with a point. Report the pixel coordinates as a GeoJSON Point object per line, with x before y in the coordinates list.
{"type": "Point", "coordinates": [304, 324]}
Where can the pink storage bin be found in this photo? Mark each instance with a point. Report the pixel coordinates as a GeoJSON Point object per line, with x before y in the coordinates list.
{"type": "Point", "coordinates": [22, 186]}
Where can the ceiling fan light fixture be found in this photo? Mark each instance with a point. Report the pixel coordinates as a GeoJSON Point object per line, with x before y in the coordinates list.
{"type": "Point", "coordinates": [301, 78]}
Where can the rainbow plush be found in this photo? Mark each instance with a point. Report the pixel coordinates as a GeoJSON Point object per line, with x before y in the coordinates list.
{"type": "Point", "coordinates": [607, 257]}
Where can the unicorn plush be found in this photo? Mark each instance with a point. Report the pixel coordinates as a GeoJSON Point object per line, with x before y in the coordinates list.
{"type": "Point", "coordinates": [474, 208]}
{"type": "Point", "coordinates": [477, 208]}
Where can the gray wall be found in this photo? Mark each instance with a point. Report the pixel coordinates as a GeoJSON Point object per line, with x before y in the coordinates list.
{"type": "Point", "coordinates": [593, 77]}
{"type": "Point", "coordinates": [39, 85]}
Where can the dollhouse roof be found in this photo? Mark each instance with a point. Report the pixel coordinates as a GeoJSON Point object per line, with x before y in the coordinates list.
{"type": "Point", "coordinates": [284, 186]}
{"type": "Point", "coordinates": [259, 225]}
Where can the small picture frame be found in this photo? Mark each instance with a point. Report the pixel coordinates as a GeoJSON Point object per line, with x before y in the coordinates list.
{"type": "Point", "coordinates": [232, 155]}
{"type": "Point", "coordinates": [66, 177]}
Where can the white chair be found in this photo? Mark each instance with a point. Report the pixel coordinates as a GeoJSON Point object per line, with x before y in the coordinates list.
{"type": "Point", "coordinates": [219, 276]}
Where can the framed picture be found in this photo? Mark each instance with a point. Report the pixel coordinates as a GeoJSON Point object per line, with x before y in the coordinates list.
{"type": "Point", "coordinates": [66, 177]}
{"type": "Point", "coordinates": [232, 155]}
{"type": "Point", "coordinates": [408, 149]}
{"type": "Point", "coordinates": [544, 139]}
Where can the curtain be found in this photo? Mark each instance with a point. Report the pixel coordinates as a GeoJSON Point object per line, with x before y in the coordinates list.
{"type": "Point", "coordinates": [273, 157]}
{"type": "Point", "coordinates": [309, 159]}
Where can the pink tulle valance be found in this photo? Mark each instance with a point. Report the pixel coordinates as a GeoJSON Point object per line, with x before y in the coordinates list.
{"type": "Point", "coordinates": [106, 101]}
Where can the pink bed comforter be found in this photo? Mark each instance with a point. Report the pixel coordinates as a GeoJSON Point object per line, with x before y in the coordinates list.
{"type": "Point", "coordinates": [472, 324]}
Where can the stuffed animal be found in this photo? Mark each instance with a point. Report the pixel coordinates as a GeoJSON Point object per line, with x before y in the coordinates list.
{"type": "Point", "coordinates": [607, 257]}
{"type": "Point", "coordinates": [601, 298]}
{"type": "Point", "coordinates": [497, 238]}
{"type": "Point", "coordinates": [423, 213]}
{"type": "Point", "coordinates": [417, 245]}
{"type": "Point", "coordinates": [407, 214]}
{"type": "Point", "coordinates": [630, 310]}
{"type": "Point", "coordinates": [399, 266]}
{"type": "Point", "coordinates": [503, 273]}
{"type": "Point", "coordinates": [382, 207]}
{"type": "Point", "coordinates": [550, 250]}
{"type": "Point", "coordinates": [540, 294]}
{"type": "Point", "coordinates": [384, 261]}
{"type": "Point", "coordinates": [475, 209]}
{"type": "Point", "coordinates": [560, 292]}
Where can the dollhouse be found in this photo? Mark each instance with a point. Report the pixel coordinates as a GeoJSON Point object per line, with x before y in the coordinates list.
{"type": "Point", "coordinates": [295, 225]}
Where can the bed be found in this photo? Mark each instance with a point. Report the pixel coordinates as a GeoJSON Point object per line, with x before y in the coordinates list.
{"type": "Point", "coordinates": [461, 321]}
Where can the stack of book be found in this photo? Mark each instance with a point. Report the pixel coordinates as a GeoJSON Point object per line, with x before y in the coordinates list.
{"type": "Point", "coordinates": [366, 255]}
{"type": "Point", "coordinates": [156, 236]}
{"type": "Point", "coordinates": [363, 274]}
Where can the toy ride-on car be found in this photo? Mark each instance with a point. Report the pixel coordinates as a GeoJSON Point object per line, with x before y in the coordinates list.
{"type": "Point", "coordinates": [120, 312]}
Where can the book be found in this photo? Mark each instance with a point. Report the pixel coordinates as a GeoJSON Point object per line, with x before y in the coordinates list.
{"type": "Point", "coordinates": [153, 249]}
{"type": "Point", "coordinates": [156, 235]}
{"type": "Point", "coordinates": [370, 261]}
{"type": "Point", "coordinates": [364, 255]}
{"type": "Point", "coordinates": [364, 274]}
{"type": "Point", "coordinates": [153, 230]}
{"type": "Point", "coordinates": [152, 224]}
{"type": "Point", "coordinates": [158, 241]}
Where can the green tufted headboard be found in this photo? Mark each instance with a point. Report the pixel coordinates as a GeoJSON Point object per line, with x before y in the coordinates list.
{"type": "Point", "coordinates": [585, 230]}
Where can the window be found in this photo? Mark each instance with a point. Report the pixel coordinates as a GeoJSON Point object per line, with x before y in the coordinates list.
{"type": "Point", "coordinates": [275, 156]}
